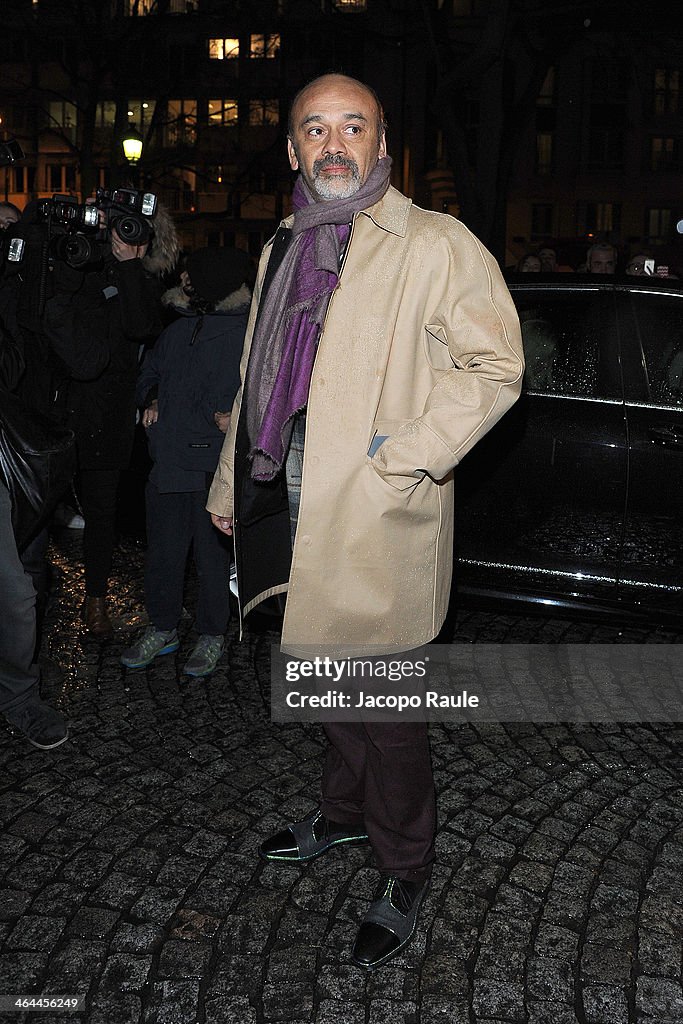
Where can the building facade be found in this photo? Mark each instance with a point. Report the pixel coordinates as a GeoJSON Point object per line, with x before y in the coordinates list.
{"type": "Point", "coordinates": [542, 127]}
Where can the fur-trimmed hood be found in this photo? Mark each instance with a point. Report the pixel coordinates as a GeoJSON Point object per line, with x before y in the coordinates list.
{"type": "Point", "coordinates": [163, 252]}
{"type": "Point", "coordinates": [175, 298]}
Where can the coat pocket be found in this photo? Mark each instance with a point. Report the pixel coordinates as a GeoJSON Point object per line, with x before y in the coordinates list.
{"type": "Point", "coordinates": [435, 341]}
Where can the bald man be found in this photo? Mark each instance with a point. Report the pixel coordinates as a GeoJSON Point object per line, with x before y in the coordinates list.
{"type": "Point", "coordinates": [382, 345]}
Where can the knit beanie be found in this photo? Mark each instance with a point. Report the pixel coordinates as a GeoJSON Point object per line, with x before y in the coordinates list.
{"type": "Point", "coordinates": [216, 273]}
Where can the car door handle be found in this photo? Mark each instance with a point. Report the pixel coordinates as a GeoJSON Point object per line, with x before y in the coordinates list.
{"type": "Point", "coordinates": [668, 437]}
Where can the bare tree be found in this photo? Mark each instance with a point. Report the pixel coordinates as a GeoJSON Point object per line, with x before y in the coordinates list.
{"type": "Point", "coordinates": [498, 62]}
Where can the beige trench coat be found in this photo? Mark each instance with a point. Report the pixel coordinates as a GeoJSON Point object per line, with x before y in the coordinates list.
{"type": "Point", "coordinates": [422, 344]}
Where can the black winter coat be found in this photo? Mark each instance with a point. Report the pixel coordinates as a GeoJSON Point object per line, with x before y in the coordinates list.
{"type": "Point", "coordinates": [97, 332]}
{"type": "Point", "coordinates": [193, 371]}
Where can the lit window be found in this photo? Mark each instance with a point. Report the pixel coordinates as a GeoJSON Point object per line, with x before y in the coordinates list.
{"type": "Point", "coordinates": [601, 218]}
{"type": "Point", "coordinates": [222, 112]}
{"type": "Point", "coordinates": [138, 8]}
{"type": "Point", "coordinates": [140, 112]}
{"type": "Point", "coordinates": [264, 112]}
{"type": "Point", "coordinates": [142, 8]}
{"type": "Point", "coordinates": [62, 115]}
{"type": "Point", "coordinates": [350, 5]}
{"type": "Point", "coordinates": [264, 45]}
{"type": "Point", "coordinates": [105, 116]}
{"type": "Point", "coordinates": [181, 123]}
{"type": "Point", "coordinates": [224, 49]}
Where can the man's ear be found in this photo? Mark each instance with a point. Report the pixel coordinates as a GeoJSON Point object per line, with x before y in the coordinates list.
{"type": "Point", "coordinates": [382, 147]}
{"type": "Point", "coordinates": [293, 158]}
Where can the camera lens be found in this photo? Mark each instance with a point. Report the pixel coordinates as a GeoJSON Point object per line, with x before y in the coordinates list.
{"type": "Point", "coordinates": [76, 250]}
{"type": "Point", "coordinates": [132, 230]}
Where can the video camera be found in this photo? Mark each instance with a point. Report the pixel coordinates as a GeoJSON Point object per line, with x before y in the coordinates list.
{"type": "Point", "coordinates": [129, 211]}
{"type": "Point", "coordinates": [72, 232]}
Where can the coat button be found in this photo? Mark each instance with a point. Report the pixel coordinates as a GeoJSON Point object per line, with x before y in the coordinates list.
{"type": "Point", "coordinates": [306, 540]}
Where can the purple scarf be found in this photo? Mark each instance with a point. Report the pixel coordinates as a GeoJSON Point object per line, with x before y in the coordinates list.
{"type": "Point", "coordinates": [291, 316]}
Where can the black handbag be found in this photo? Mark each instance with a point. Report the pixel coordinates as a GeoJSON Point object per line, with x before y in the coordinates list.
{"type": "Point", "coordinates": [37, 461]}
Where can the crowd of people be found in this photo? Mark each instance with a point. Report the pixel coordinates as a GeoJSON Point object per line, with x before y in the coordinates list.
{"type": "Point", "coordinates": [600, 258]}
{"type": "Point", "coordinates": [130, 333]}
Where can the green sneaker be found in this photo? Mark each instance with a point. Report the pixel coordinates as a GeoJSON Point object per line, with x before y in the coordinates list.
{"type": "Point", "coordinates": [149, 645]}
{"type": "Point", "coordinates": [205, 655]}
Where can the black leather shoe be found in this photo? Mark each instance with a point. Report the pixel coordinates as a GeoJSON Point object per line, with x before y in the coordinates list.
{"type": "Point", "coordinates": [389, 924]}
{"type": "Point", "coordinates": [41, 724]}
{"type": "Point", "coordinates": [308, 839]}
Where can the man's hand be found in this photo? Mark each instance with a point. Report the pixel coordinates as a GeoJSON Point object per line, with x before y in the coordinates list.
{"type": "Point", "coordinates": [122, 251]}
{"type": "Point", "coordinates": [151, 414]}
{"type": "Point", "coordinates": [224, 525]}
{"type": "Point", "coordinates": [222, 421]}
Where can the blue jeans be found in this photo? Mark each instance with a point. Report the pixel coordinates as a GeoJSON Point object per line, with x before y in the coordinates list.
{"type": "Point", "coordinates": [18, 672]}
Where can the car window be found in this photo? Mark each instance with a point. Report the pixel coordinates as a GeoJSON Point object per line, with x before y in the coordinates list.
{"type": "Point", "coordinates": [659, 325]}
{"type": "Point", "coordinates": [564, 338]}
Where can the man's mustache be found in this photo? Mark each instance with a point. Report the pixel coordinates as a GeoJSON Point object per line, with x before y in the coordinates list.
{"type": "Point", "coordinates": [335, 160]}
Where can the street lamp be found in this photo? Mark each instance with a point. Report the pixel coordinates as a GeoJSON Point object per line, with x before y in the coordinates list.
{"type": "Point", "coordinates": [132, 144]}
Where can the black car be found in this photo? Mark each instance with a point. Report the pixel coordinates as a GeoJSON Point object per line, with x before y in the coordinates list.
{"type": "Point", "coordinates": [575, 498]}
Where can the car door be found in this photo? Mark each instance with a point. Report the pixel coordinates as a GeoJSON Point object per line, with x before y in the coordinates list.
{"type": "Point", "coordinates": [651, 316]}
{"type": "Point", "coordinates": [540, 501]}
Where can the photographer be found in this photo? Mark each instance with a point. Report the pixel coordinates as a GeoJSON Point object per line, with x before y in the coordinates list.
{"type": "Point", "coordinates": [96, 331]}
{"type": "Point", "coordinates": [83, 319]}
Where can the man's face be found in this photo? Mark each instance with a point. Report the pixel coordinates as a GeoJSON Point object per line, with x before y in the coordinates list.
{"type": "Point", "coordinates": [602, 262]}
{"type": "Point", "coordinates": [334, 139]}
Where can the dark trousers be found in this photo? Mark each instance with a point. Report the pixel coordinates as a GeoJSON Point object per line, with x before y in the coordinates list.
{"type": "Point", "coordinates": [380, 773]}
{"type": "Point", "coordinates": [97, 489]}
{"type": "Point", "coordinates": [18, 671]}
{"type": "Point", "coordinates": [174, 522]}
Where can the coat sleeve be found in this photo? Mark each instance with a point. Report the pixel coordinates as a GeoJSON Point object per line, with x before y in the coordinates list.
{"type": "Point", "coordinates": [476, 320]}
{"type": "Point", "coordinates": [139, 301]}
{"type": "Point", "coordinates": [147, 385]}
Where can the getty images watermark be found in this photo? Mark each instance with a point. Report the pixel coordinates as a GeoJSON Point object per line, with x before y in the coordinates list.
{"type": "Point", "coordinates": [482, 682]}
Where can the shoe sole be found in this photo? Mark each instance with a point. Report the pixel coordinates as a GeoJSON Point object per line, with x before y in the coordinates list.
{"type": "Point", "coordinates": [353, 841]}
{"type": "Point", "coordinates": [199, 675]}
{"type": "Point", "coordinates": [48, 746]}
{"type": "Point", "coordinates": [168, 649]}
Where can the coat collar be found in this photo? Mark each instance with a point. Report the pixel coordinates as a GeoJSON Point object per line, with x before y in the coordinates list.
{"type": "Point", "coordinates": [390, 213]}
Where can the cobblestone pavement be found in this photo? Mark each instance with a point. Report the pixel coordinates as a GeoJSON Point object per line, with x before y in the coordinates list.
{"type": "Point", "coordinates": [128, 870]}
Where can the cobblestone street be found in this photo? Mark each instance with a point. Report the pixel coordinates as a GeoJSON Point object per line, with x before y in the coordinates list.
{"type": "Point", "coordinates": [128, 855]}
